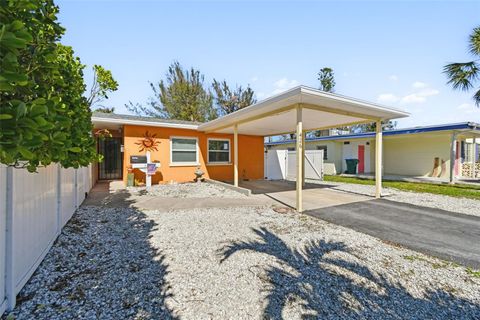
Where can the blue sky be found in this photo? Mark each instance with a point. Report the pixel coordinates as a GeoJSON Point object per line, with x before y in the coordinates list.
{"type": "Point", "coordinates": [387, 52]}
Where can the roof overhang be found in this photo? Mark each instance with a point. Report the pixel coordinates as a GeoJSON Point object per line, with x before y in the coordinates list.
{"type": "Point", "coordinates": [99, 122]}
{"type": "Point", "coordinates": [321, 110]}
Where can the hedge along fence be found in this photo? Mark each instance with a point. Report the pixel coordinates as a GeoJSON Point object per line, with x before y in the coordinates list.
{"type": "Point", "coordinates": [34, 207]}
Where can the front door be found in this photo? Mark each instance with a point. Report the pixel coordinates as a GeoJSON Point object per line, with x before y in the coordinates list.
{"type": "Point", "coordinates": [361, 158]}
{"type": "Point", "coordinates": [111, 166]}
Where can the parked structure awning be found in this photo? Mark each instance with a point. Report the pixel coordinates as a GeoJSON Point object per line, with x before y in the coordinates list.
{"type": "Point", "coordinates": [321, 110]}
{"type": "Point", "coordinates": [299, 110]}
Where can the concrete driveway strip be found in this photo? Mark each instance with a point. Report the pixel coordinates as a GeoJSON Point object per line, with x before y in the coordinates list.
{"type": "Point", "coordinates": [444, 234]}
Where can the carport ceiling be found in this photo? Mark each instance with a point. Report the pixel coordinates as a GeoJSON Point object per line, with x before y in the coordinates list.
{"type": "Point", "coordinates": [277, 115]}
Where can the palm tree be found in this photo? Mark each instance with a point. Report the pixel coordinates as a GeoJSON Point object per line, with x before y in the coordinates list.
{"type": "Point", "coordinates": [463, 76]}
{"type": "Point", "coordinates": [327, 79]}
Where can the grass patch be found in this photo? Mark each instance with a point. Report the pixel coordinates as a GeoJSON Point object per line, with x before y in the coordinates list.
{"type": "Point", "coordinates": [473, 273]}
{"type": "Point", "coordinates": [456, 190]}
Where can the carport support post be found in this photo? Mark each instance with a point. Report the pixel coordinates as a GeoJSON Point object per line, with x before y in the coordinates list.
{"type": "Point", "coordinates": [453, 148]}
{"type": "Point", "coordinates": [303, 158]}
{"type": "Point", "coordinates": [299, 147]}
{"type": "Point", "coordinates": [235, 155]}
{"type": "Point", "coordinates": [378, 159]}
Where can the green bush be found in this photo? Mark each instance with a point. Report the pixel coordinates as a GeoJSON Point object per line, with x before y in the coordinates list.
{"type": "Point", "coordinates": [44, 116]}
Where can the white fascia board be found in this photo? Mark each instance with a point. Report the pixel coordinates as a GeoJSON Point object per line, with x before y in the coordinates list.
{"type": "Point", "coordinates": [97, 120]}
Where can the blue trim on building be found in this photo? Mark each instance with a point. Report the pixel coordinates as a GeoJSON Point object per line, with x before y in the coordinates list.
{"type": "Point", "coordinates": [453, 126]}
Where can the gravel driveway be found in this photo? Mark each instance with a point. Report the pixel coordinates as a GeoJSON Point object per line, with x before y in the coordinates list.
{"type": "Point", "coordinates": [237, 263]}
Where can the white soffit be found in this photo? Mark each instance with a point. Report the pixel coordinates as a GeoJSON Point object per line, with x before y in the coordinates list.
{"type": "Point", "coordinates": [348, 110]}
{"type": "Point", "coordinates": [285, 122]}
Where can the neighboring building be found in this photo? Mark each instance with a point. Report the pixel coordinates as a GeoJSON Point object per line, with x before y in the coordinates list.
{"type": "Point", "coordinates": [421, 151]}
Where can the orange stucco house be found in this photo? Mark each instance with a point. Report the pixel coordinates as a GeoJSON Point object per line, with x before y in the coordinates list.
{"type": "Point", "coordinates": [178, 146]}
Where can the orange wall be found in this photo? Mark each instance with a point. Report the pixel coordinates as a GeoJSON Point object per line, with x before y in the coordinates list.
{"type": "Point", "coordinates": [250, 157]}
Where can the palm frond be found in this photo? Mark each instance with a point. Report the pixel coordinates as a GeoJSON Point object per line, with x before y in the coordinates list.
{"type": "Point", "coordinates": [476, 98]}
{"type": "Point", "coordinates": [474, 42]}
{"type": "Point", "coordinates": [462, 75]}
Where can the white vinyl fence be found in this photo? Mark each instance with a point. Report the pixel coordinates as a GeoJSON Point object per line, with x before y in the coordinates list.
{"type": "Point", "coordinates": [34, 207]}
{"type": "Point", "coordinates": [282, 164]}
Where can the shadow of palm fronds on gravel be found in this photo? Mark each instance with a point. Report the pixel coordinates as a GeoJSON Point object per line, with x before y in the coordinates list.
{"type": "Point", "coordinates": [102, 266]}
{"type": "Point", "coordinates": [326, 281]}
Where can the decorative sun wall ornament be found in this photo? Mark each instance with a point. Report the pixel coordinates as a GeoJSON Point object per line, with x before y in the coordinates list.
{"type": "Point", "coordinates": [148, 143]}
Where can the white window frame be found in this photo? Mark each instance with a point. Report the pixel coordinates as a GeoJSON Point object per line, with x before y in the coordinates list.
{"type": "Point", "coordinates": [184, 164]}
{"type": "Point", "coordinates": [229, 152]}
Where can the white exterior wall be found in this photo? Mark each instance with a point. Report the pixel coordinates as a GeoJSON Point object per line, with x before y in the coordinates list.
{"type": "Point", "coordinates": [413, 155]}
{"type": "Point", "coordinates": [350, 151]}
{"type": "Point", "coordinates": [31, 217]}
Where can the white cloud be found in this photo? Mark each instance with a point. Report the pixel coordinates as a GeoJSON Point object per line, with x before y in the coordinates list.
{"type": "Point", "coordinates": [254, 79]}
{"type": "Point", "coordinates": [261, 95]}
{"type": "Point", "coordinates": [393, 77]}
{"type": "Point", "coordinates": [387, 98]}
{"type": "Point", "coordinates": [419, 85]}
{"type": "Point", "coordinates": [464, 106]}
{"type": "Point", "coordinates": [468, 108]}
{"type": "Point", "coordinates": [421, 95]}
{"type": "Point", "coordinates": [283, 85]}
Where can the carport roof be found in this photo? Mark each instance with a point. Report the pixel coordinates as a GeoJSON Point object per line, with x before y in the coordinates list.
{"type": "Point", "coordinates": [277, 115]}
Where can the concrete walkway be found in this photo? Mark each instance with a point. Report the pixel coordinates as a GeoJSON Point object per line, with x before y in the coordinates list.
{"type": "Point", "coordinates": [444, 234]}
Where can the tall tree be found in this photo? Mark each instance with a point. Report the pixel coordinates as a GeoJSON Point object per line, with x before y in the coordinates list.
{"type": "Point", "coordinates": [228, 100]}
{"type": "Point", "coordinates": [103, 84]}
{"type": "Point", "coordinates": [464, 75]}
{"type": "Point", "coordinates": [181, 96]}
{"type": "Point", "coordinates": [327, 79]}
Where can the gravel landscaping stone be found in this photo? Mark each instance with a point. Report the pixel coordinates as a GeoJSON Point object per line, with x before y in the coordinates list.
{"type": "Point", "coordinates": [187, 190]}
{"type": "Point", "coordinates": [453, 204]}
{"type": "Point", "coordinates": [237, 263]}
{"type": "Point", "coordinates": [100, 267]}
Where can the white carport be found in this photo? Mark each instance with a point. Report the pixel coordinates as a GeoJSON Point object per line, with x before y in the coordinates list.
{"type": "Point", "coordinates": [299, 110]}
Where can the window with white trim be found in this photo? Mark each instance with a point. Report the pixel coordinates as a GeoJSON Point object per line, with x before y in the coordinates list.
{"type": "Point", "coordinates": [183, 150]}
{"type": "Point", "coordinates": [218, 151]}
